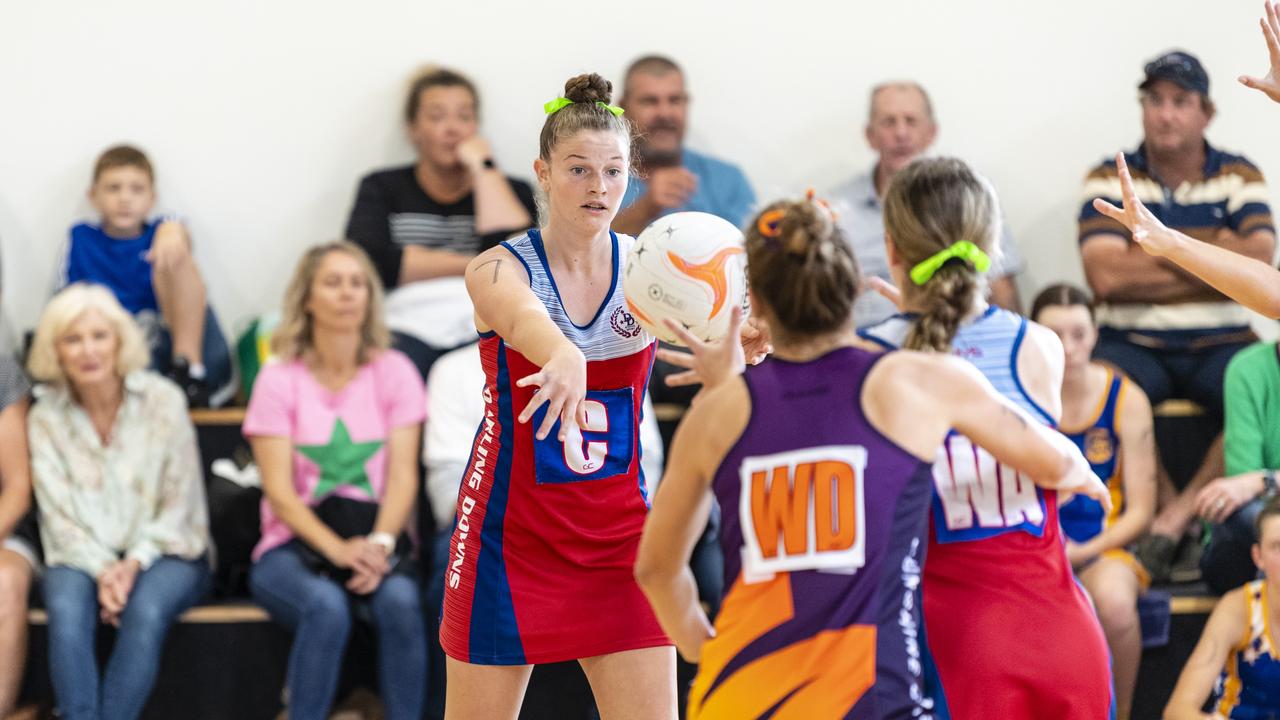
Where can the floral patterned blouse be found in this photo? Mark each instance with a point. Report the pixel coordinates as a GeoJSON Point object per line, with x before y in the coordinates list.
{"type": "Point", "coordinates": [139, 496]}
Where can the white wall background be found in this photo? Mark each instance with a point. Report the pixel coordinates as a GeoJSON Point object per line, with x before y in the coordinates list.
{"type": "Point", "coordinates": [261, 116]}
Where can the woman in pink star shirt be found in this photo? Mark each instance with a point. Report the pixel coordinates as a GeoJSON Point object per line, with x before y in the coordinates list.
{"type": "Point", "coordinates": [334, 424]}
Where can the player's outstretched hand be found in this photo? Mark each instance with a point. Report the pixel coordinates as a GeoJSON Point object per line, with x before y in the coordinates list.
{"type": "Point", "coordinates": [1147, 230]}
{"type": "Point", "coordinates": [562, 386]}
{"type": "Point", "coordinates": [709, 363]}
{"type": "Point", "coordinates": [1269, 84]}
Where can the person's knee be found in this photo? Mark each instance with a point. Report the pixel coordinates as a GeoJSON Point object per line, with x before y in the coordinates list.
{"type": "Point", "coordinates": [147, 615]}
{"type": "Point", "coordinates": [1206, 386]}
{"type": "Point", "coordinates": [180, 261]}
{"type": "Point", "coordinates": [1207, 392]}
{"type": "Point", "coordinates": [399, 601]}
{"type": "Point", "coordinates": [327, 607]}
{"type": "Point", "coordinates": [66, 592]}
{"type": "Point", "coordinates": [1117, 610]}
{"type": "Point", "coordinates": [68, 624]}
{"type": "Point", "coordinates": [15, 584]}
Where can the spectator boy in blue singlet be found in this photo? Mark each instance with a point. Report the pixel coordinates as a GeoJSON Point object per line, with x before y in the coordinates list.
{"type": "Point", "coordinates": [149, 267]}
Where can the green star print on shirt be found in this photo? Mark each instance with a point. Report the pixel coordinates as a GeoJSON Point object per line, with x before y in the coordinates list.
{"type": "Point", "coordinates": [341, 461]}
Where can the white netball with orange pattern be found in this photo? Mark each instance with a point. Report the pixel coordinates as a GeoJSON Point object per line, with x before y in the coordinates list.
{"type": "Point", "coordinates": [690, 267]}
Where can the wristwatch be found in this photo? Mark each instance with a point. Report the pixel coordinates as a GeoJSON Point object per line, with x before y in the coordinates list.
{"type": "Point", "coordinates": [384, 540]}
{"type": "Point", "coordinates": [1269, 483]}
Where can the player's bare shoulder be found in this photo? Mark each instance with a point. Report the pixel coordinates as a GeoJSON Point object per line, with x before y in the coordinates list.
{"type": "Point", "coordinates": [493, 265]}
{"type": "Point", "coordinates": [1040, 364]}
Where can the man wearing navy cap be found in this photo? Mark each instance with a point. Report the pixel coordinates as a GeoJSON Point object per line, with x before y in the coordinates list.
{"type": "Point", "coordinates": [1170, 332]}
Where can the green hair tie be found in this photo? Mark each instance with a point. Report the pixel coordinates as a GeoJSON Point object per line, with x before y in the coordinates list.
{"type": "Point", "coordinates": [555, 106]}
{"type": "Point", "coordinates": [964, 250]}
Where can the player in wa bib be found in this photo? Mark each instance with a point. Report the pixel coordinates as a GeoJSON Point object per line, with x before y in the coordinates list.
{"type": "Point", "coordinates": [1238, 657]}
{"type": "Point", "coordinates": [820, 458]}
{"type": "Point", "coordinates": [997, 573]}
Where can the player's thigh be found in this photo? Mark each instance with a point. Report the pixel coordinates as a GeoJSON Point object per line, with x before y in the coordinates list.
{"type": "Point", "coordinates": [638, 684]}
{"type": "Point", "coordinates": [484, 691]}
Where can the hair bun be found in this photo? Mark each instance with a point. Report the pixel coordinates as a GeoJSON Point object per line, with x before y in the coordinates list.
{"type": "Point", "coordinates": [588, 88]}
{"type": "Point", "coordinates": [807, 227]}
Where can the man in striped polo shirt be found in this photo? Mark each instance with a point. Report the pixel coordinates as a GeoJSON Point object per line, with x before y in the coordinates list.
{"type": "Point", "coordinates": [1172, 333]}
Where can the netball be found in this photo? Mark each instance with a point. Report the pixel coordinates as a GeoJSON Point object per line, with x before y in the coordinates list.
{"type": "Point", "coordinates": [689, 267]}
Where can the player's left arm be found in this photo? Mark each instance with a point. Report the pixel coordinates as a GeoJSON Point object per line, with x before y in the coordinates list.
{"type": "Point", "coordinates": [679, 514]}
{"type": "Point", "coordinates": [1138, 465]}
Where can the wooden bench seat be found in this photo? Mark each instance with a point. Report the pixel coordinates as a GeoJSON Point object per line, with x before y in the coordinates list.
{"type": "Point", "coordinates": [213, 614]}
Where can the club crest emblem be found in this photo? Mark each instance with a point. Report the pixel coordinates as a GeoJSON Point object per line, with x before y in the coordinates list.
{"type": "Point", "coordinates": [1097, 446]}
{"type": "Point", "coordinates": [624, 324]}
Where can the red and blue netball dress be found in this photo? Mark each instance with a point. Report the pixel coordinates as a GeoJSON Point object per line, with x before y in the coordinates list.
{"type": "Point", "coordinates": [1011, 632]}
{"type": "Point", "coordinates": [545, 537]}
{"type": "Point", "coordinates": [823, 536]}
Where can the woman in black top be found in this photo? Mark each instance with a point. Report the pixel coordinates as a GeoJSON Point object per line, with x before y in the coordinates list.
{"type": "Point", "coordinates": [422, 223]}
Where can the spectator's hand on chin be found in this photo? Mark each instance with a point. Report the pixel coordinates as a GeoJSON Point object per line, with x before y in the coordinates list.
{"type": "Point", "coordinates": [473, 151]}
{"type": "Point", "coordinates": [671, 187]}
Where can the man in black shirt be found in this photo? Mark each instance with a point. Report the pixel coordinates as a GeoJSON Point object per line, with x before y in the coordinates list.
{"type": "Point", "coordinates": [421, 224]}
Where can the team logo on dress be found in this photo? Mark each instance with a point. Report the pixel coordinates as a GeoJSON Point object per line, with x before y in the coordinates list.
{"type": "Point", "coordinates": [1097, 446]}
{"type": "Point", "coordinates": [803, 510]}
{"type": "Point", "coordinates": [624, 324]}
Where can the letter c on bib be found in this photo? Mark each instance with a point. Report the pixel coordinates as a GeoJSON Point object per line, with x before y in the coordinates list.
{"type": "Point", "coordinates": [586, 458]}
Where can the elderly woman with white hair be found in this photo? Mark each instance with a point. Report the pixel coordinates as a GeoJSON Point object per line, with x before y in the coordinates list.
{"type": "Point", "coordinates": [123, 520]}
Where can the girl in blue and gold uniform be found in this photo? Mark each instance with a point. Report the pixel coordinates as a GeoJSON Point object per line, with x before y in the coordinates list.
{"type": "Point", "coordinates": [1109, 419]}
{"type": "Point", "coordinates": [1239, 647]}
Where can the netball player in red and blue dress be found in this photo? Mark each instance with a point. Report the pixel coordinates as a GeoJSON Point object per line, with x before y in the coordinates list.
{"type": "Point", "coordinates": [551, 507]}
{"type": "Point", "coordinates": [820, 458]}
{"type": "Point", "coordinates": [1011, 633]}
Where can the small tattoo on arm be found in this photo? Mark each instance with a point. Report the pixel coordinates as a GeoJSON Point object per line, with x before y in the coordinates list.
{"type": "Point", "coordinates": [496, 263]}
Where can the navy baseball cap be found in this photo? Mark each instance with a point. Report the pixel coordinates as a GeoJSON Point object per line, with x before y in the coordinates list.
{"type": "Point", "coordinates": [1180, 68]}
